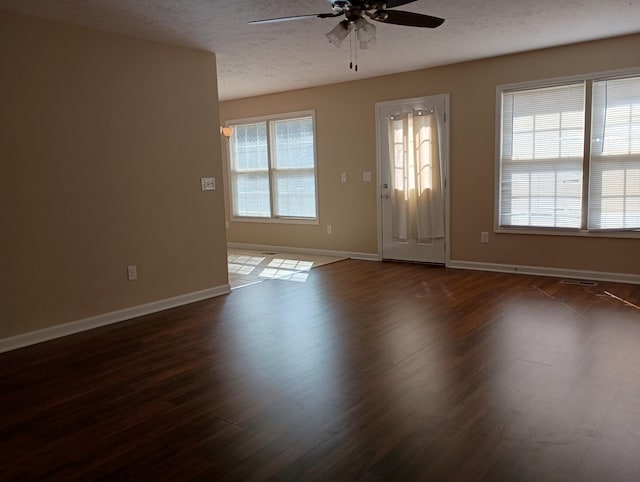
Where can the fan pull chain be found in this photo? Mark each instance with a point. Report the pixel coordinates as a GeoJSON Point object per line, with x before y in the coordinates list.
{"type": "Point", "coordinates": [351, 51]}
{"type": "Point", "coordinates": [355, 42]}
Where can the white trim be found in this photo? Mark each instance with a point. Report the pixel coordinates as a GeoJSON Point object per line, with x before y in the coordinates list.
{"type": "Point", "coordinates": [628, 234]}
{"type": "Point", "coordinates": [447, 179]}
{"type": "Point", "coordinates": [58, 331]}
{"type": "Point", "coordinates": [268, 117]}
{"type": "Point", "coordinates": [543, 271]}
{"type": "Point", "coordinates": [497, 164]}
{"type": "Point", "coordinates": [255, 220]}
{"type": "Point", "coordinates": [553, 81]}
{"type": "Point", "coordinates": [378, 107]}
{"type": "Point", "coordinates": [317, 252]}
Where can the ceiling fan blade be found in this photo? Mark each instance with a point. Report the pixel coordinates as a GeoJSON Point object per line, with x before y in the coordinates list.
{"type": "Point", "coordinates": [397, 3]}
{"type": "Point", "coordinates": [295, 17]}
{"type": "Point", "coordinates": [409, 19]}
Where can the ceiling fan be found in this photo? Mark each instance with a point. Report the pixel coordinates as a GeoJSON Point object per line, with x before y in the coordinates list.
{"type": "Point", "coordinates": [355, 12]}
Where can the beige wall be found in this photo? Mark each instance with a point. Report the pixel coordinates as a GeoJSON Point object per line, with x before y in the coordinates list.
{"type": "Point", "coordinates": [103, 140]}
{"type": "Point", "coordinates": [345, 116]}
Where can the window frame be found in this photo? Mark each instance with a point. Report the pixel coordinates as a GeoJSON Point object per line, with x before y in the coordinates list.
{"type": "Point", "coordinates": [583, 231]}
{"type": "Point", "coordinates": [271, 170]}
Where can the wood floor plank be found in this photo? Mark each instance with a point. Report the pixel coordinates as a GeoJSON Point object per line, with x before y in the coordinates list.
{"type": "Point", "coordinates": [366, 371]}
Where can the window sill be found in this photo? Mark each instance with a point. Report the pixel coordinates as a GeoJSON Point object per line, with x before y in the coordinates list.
{"type": "Point", "coordinates": [305, 221]}
{"type": "Point", "coordinates": [569, 232]}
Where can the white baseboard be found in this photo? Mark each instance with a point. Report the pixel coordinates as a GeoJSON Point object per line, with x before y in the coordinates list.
{"type": "Point", "coordinates": [318, 252]}
{"type": "Point", "coordinates": [542, 271]}
{"type": "Point", "coordinates": [46, 334]}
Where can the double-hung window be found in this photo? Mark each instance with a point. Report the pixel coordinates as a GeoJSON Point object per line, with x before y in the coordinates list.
{"type": "Point", "coordinates": [273, 168]}
{"type": "Point", "coordinates": [550, 178]}
{"type": "Point", "coordinates": [614, 197]}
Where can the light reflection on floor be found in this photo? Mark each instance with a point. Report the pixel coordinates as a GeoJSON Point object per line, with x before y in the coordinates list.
{"type": "Point", "coordinates": [240, 269]}
{"type": "Point", "coordinates": [284, 274]}
{"type": "Point", "coordinates": [249, 267]}
{"type": "Point", "coordinates": [242, 264]}
{"type": "Point", "coordinates": [250, 260]}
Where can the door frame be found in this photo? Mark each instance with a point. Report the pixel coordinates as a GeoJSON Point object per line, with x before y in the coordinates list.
{"type": "Point", "coordinates": [445, 167]}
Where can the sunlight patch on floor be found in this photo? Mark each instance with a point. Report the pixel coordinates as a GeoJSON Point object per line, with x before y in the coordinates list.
{"type": "Point", "coordinates": [292, 264]}
{"type": "Point", "coordinates": [243, 259]}
{"type": "Point", "coordinates": [240, 268]}
{"type": "Point", "coordinates": [284, 274]}
{"type": "Point", "coordinates": [248, 267]}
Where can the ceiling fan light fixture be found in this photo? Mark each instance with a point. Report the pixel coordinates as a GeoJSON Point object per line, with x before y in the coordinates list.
{"type": "Point", "coordinates": [366, 33]}
{"type": "Point", "coordinates": [367, 44]}
{"type": "Point", "coordinates": [339, 32]}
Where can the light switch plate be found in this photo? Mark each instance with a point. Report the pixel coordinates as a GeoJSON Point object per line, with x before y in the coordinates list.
{"type": "Point", "coordinates": [366, 176]}
{"type": "Point", "coordinates": [208, 183]}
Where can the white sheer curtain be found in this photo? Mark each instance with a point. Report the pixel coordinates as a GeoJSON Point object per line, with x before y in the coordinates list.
{"type": "Point", "coordinates": [416, 194]}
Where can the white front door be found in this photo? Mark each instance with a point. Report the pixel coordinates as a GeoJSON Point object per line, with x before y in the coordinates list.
{"type": "Point", "coordinates": [413, 149]}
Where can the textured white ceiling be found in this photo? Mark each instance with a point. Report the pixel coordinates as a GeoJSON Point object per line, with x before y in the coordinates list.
{"type": "Point", "coordinates": [259, 59]}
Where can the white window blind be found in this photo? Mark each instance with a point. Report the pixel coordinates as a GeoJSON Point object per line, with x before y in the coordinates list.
{"type": "Point", "coordinates": [614, 197]}
{"type": "Point", "coordinates": [250, 171]}
{"type": "Point", "coordinates": [293, 166]}
{"type": "Point", "coordinates": [542, 157]}
{"type": "Point", "coordinates": [273, 173]}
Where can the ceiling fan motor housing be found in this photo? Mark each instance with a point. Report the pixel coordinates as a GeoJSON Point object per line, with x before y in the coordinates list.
{"type": "Point", "coordinates": [353, 10]}
{"type": "Point", "coordinates": [353, 13]}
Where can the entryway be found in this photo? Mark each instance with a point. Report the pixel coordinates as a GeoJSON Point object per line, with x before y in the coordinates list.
{"type": "Point", "coordinates": [413, 153]}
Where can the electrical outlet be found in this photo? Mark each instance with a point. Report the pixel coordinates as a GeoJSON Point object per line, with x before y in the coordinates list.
{"type": "Point", "coordinates": [329, 229]}
{"type": "Point", "coordinates": [132, 273]}
{"type": "Point", "coordinates": [484, 237]}
{"type": "Point", "coordinates": [343, 177]}
{"type": "Point", "coordinates": [366, 176]}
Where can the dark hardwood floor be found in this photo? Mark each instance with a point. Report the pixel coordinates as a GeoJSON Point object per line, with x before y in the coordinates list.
{"type": "Point", "coordinates": [368, 371]}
